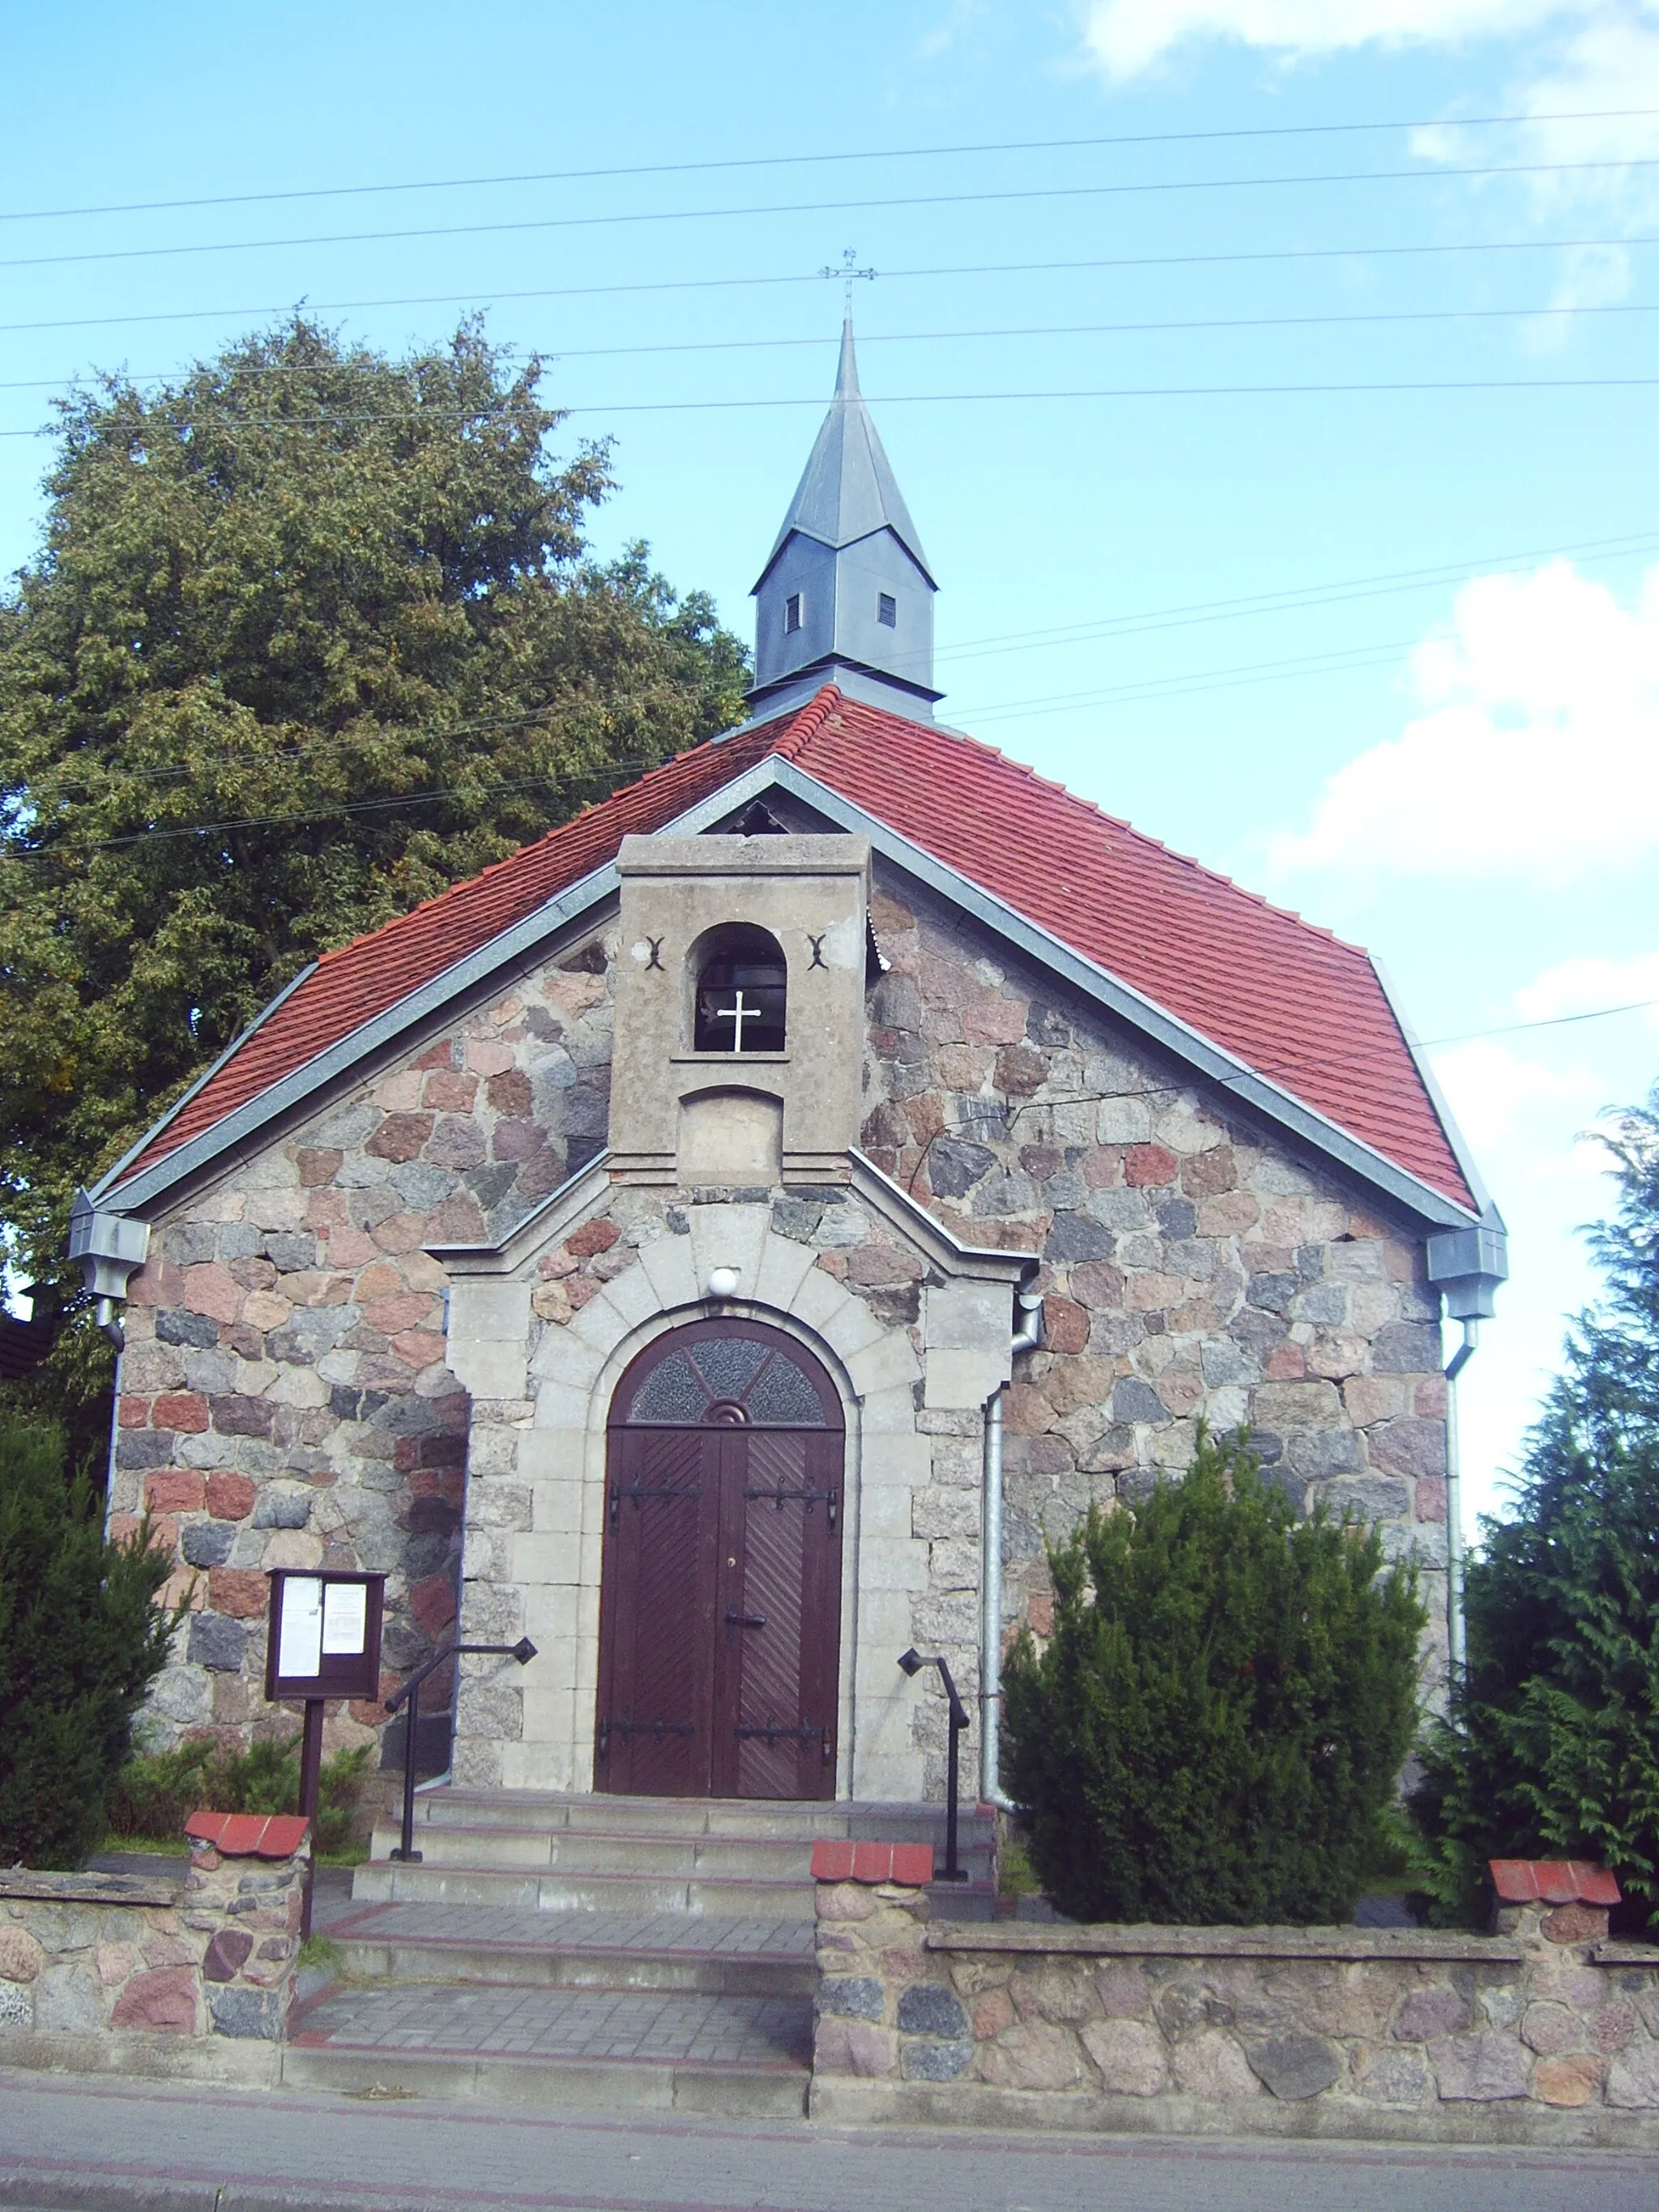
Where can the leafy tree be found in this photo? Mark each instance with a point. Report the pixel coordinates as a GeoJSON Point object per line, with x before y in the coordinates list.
{"type": "Point", "coordinates": [1552, 1747]}
{"type": "Point", "coordinates": [1215, 1731]}
{"type": "Point", "coordinates": [81, 1641]}
{"type": "Point", "coordinates": [312, 634]}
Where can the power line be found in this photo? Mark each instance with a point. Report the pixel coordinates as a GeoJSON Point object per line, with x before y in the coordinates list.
{"type": "Point", "coordinates": [1549, 1022]}
{"type": "Point", "coordinates": [1288, 601]}
{"type": "Point", "coordinates": [801, 161]}
{"type": "Point", "coordinates": [555, 352]}
{"type": "Point", "coordinates": [493, 297]}
{"type": "Point", "coordinates": [952, 398]}
{"type": "Point", "coordinates": [884, 205]}
{"type": "Point", "coordinates": [1276, 1071]}
{"type": "Point", "coordinates": [1336, 662]}
{"type": "Point", "coordinates": [1293, 599]}
{"type": "Point", "coordinates": [70, 848]}
{"type": "Point", "coordinates": [404, 735]}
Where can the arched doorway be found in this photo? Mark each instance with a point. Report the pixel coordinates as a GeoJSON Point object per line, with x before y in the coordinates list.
{"type": "Point", "coordinates": [719, 1622]}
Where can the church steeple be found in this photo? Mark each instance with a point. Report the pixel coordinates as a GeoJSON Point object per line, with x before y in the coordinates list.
{"type": "Point", "coordinates": [846, 596]}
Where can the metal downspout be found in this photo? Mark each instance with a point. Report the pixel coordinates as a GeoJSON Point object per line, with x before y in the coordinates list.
{"type": "Point", "coordinates": [1456, 1639]}
{"type": "Point", "coordinates": [1026, 1338]}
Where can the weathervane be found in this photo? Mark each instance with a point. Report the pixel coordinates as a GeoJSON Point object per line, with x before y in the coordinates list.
{"type": "Point", "coordinates": [849, 271]}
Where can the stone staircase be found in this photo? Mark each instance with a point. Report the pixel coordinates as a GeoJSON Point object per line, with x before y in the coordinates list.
{"type": "Point", "coordinates": [581, 1952]}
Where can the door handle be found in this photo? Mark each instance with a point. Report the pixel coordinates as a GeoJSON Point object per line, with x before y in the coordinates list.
{"type": "Point", "coordinates": [736, 1620]}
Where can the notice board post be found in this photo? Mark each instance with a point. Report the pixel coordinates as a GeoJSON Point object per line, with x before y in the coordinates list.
{"type": "Point", "coordinates": [323, 1642]}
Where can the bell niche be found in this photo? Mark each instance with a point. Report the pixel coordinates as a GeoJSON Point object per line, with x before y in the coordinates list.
{"type": "Point", "coordinates": [739, 1009]}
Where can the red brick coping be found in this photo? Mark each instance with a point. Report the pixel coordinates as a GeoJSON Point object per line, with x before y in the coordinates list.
{"type": "Point", "coordinates": [249, 1835]}
{"type": "Point", "coordinates": [1552, 1882]}
{"type": "Point", "coordinates": [911, 1864]}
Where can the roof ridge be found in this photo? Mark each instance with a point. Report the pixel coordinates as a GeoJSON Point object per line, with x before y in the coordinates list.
{"type": "Point", "coordinates": [807, 722]}
{"type": "Point", "coordinates": [1140, 836]}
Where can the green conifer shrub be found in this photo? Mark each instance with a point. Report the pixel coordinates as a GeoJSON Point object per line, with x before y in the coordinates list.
{"type": "Point", "coordinates": [1552, 1748]}
{"type": "Point", "coordinates": [1215, 1731]}
{"type": "Point", "coordinates": [80, 1640]}
{"type": "Point", "coordinates": [156, 1792]}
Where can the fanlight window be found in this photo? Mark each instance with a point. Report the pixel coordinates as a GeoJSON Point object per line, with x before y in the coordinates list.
{"type": "Point", "coordinates": [742, 987]}
{"type": "Point", "coordinates": [728, 1382]}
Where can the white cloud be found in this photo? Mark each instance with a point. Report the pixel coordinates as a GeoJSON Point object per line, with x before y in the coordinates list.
{"type": "Point", "coordinates": [1588, 986]}
{"type": "Point", "coordinates": [1127, 36]}
{"type": "Point", "coordinates": [1497, 1096]}
{"type": "Point", "coordinates": [1588, 276]}
{"type": "Point", "coordinates": [958, 19]}
{"type": "Point", "coordinates": [1576, 59]}
{"type": "Point", "coordinates": [1610, 63]}
{"type": "Point", "coordinates": [1536, 756]}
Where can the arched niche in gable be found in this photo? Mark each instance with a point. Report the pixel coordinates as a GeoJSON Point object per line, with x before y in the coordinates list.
{"type": "Point", "coordinates": [737, 991]}
{"type": "Point", "coordinates": [731, 1135]}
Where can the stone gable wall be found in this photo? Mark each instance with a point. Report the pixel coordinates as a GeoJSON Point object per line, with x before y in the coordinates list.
{"type": "Point", "coordinates": [286, 1398]}
{"type": "Point", "coordinates": [1193, 1268]}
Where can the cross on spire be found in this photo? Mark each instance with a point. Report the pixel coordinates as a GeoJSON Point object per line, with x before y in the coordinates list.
{"type": "Point", "coordinates": [849, 272]}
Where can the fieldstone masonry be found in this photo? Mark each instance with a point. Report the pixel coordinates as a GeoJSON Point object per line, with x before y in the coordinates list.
{"type": "Point", "coordinates": [1192, 1268]}
{"type": "Point", "coordinates": [1546, 2032]}
{"type": "Point", "coordinates": [284, 1395]}
{"type": "Point", "coordinates": [393, 1318]}
{"type": "Point", "coordinates": [147, 1975]}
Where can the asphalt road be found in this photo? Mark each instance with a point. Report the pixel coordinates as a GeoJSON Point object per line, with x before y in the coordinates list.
{"type": "Point", "coordinates": [104, 2146]}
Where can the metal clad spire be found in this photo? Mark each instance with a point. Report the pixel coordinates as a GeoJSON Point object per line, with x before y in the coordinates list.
{"type": "Point", "coordinates": [845, 595]}
{"type": "Point", "coordinates": [848, 489]}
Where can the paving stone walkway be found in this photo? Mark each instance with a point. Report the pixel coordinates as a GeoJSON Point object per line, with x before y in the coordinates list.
{"type": "Point", "coordinates": [698, 1934]}
{"type": "Point", "coordinates": [473, 2019]}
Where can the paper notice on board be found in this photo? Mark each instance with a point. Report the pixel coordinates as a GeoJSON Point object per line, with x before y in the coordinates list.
{"type": "Point", "coordinates": [300, 1644]}
{"type": "Point", "coordinates": [345, 1617]}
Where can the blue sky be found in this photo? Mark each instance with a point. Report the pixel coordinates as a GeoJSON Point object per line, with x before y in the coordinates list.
{"type": "Point", "coordinates": [1389, 656]}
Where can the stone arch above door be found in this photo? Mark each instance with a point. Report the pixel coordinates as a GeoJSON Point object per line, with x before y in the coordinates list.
{"type": "Point", "coordinates": [911, 1394]}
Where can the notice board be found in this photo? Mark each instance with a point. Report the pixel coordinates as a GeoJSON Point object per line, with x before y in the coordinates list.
{"type": "Point", "coordinates": [325, 1634]}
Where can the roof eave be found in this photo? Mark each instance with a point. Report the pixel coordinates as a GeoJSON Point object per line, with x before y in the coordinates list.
{"type": "Point", "coordinates": [564, 909]}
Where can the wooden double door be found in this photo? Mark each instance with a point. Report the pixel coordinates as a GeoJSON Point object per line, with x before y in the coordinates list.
{"type": "Point", "coordinates": [720, 1625]}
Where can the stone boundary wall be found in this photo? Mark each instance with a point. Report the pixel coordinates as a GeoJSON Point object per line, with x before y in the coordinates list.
{"type": "Point", "coordinates": [139, 1974]}
{"type": "Point", "coordinates": [1545, 2033]}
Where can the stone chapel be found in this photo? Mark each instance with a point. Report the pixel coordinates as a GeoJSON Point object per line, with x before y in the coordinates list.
{"type": "Point", "coordinates": [720, 1240]}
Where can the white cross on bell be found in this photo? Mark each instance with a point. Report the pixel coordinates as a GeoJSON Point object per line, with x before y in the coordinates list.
{"type": "Point", "coordinates": [737, 1014]}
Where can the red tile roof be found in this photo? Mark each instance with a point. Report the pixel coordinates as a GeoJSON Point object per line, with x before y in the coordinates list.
{"type": "Point", "coordinates": [1293, 1002]}
{"type": "Point", "coordinates": [249, 1835]}
{"type": "Point", "coordinates": [909, 1864]}
{"type": "Point", "coordinates": [1552, 1882]}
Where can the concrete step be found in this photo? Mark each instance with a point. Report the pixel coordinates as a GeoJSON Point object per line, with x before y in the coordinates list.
{"type": "Point", "coordinates": [761, 1819]}
{"type": "Point", "coordinates": [585, 1851]}
{"type": "Point", "coordinates": [529, 1889]}
{"type": "Point", "coordinates": [560, 2051]}
{"type": "Point", "coordinates": [575, 1950]}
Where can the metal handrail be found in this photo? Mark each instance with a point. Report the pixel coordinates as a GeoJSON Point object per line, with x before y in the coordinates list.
{"type": "Point", "coordinates": [912, 1662]}
{"type": "Point", "coordinates": [524, 1651]}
